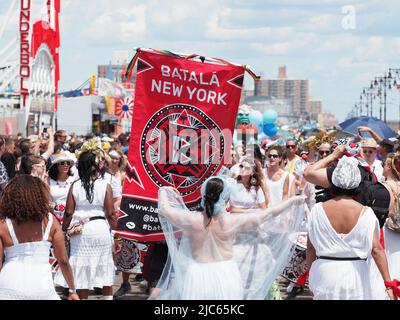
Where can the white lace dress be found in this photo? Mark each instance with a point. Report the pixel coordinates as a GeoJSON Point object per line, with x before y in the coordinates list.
{"type": "Point", "coordinates": [26, 273]}
{"type": "Point", "coordinates": [342, 280]}
{"type": "Point", "coordinates": [91, 252]}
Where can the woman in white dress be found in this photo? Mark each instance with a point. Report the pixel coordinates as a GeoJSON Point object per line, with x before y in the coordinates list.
{"type": "Point", "coordinates": [60, 180]}
{"type": "Point", "coordinates": [342, 236]}
{"type": "Point", "coordinates": [248, 194]}
{"type": "Point", "coordinates": [276, 178]}
{"type": "Point", "coordinates": [26, 235]}
{"type": "Point", "coordinates": [202, 245]}
{"type": "Point", "coordinates": [392, 227]}
{"type": "Point", "coordinates": [90, 203]}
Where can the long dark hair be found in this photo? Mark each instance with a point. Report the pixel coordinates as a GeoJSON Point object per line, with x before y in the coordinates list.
{"type": "Point", "coordinates": [89, 171]}
{"type": "Point", "coordinates": [254, 176]}
{"type": "Point", "coordinates": [214, 189]}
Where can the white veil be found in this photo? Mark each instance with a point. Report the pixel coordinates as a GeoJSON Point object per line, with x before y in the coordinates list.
{"type": "Point", "coordinates": [233, 257]}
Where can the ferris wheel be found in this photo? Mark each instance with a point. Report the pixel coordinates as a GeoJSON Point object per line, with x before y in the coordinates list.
{"type": "Point", "coordinates": [29, 54]}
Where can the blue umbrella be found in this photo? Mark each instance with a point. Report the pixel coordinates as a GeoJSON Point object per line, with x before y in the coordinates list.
{"type": "Point", "coordinates": [381, 128]}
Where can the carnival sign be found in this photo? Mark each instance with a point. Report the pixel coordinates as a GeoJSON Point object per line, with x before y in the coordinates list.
{"type": "Point", "coordinates": [124, 108]}
{"type": "Point", "coordinates": [39, 46]}
{"type": "Point", "coordinates": [25, 48]}
{"type": "Point", "coordinates": [184, 116]}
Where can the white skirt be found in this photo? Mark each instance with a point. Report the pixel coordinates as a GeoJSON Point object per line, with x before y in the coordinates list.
{"type": "Point", "coordinates": [340, 280]}
{"type": "Point", "coordinates": [91, 258]}
{"type": "Point", "coordinates": [213, 281]}
{"type": "Point", "coordinates": [25, 280]}
{"type": "Point", "coordinates": [392, 247]}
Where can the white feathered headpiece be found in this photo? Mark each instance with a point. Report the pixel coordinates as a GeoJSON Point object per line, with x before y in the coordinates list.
{"type": "Point", "coordinates": [347, 175]}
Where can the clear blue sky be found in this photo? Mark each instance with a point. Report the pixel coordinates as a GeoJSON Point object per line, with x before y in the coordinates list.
{"type": "Point", "coordinates": [307, 36]}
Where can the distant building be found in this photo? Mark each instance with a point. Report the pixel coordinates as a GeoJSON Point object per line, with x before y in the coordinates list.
{"type": "Point", "coordinates": [327, 120]}
{"type": "Point", "coordinates": [314, 109]}
{"type": "Point", "coordinates": [297, 91]}
{"type": "Point", "coordinates": [262, 103]}
{"type": "Point", "coordinates": [282, 73]}
{"type": "Point", "coordinates": [246, 94]}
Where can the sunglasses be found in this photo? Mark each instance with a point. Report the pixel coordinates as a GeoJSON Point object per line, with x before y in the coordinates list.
{"type": "Point", "coordinates": [275, 156]}
{"type": "Point", "coordinates": [65, 163]}
{"type": "Point", "coordinates": [322, 153]}
{"type": "Point", "coordinates": [291, 147]}
{"type": "Point", "coordinates": [368, 151]}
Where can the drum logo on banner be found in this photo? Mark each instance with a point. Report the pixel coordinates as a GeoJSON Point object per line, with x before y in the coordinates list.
{"type": "Point", "coordinates": [181, 146]}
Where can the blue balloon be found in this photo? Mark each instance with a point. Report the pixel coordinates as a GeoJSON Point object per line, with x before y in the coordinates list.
{"type": "Point", "coordinates": [270, 116]}
{"type": "Point", "coordinates": [270, 129]}
{"type": "Point", "coordinates": [256, 118]}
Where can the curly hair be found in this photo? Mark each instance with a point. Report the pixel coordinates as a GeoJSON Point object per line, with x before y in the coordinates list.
{"type": "Point", "coordinates": [394, 163]}
{"type": "Point", "coordinates": [24, 199]}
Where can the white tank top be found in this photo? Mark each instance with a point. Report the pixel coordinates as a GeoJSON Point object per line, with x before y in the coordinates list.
{"type": "Point", "coordinates": [275, 188]}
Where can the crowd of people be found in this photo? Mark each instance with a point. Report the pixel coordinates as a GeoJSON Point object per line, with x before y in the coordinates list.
{"type": "Point", "coordinates": [60, 193]}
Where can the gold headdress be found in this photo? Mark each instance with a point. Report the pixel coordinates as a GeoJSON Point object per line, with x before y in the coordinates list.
{"type": "Point", "coordinates": [92, 145]}
{"type": "Point", "coordinates": [320, 138]}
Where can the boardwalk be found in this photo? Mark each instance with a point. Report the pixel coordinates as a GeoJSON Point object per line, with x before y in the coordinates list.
{"type": "Point", "coordinates": [139, 293]}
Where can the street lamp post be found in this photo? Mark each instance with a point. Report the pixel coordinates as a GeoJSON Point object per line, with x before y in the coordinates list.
{"type": "Point", "coordinates": [368, 93]}
{"type": "Point", "coordinates": [378, 84]}
{"type": "Point", "coordinates": [384, 83]}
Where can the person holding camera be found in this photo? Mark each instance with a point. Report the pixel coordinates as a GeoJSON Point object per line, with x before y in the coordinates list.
{"type": "Point", "coordinates": [250, 191]}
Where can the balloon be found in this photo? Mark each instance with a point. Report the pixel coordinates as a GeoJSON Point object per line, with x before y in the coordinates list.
{"type": "Point", "coordinates": [270, 129]}
{"type": "Point", "coordinates": [270, 116]}
{"type": "Point", "coordinates": [256, 118]}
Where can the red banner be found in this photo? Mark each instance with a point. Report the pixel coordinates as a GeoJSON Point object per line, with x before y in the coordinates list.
{"type": "Point", "coordinates": [182, 126]}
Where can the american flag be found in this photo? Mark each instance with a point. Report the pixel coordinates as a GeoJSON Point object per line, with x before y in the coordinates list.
{"type": "Point", "coordinates": [124, 108]}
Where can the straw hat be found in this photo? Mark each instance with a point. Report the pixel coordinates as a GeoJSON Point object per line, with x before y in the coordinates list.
{"type": "Point", "coordinates": [369, 143]}
{"type": "Point", "coordinates": [64, 156]}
